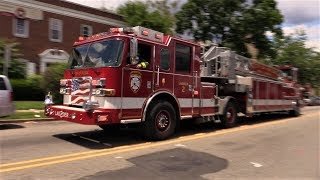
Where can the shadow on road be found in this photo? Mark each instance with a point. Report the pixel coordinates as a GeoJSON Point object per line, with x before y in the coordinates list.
{"type": "Point", "coordinates": [178, 163]}
{"type": "Point", "coordinates": [100, 139]}
{"type": "Point", "coordinates": [10, 126]}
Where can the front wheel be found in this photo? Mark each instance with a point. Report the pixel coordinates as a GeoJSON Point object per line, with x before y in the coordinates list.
{"type": "Point", "coordinates": [229, 117]}
{"type": "Point", "coordinates": [160, 121]}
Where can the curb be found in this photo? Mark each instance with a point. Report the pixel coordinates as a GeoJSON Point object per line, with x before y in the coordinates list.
{"type": "Point", "coordinates": [31, 110]}
{"type": "Point", "coordinates": [26, 120]}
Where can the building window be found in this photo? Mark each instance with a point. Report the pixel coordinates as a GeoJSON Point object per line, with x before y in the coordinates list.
{"type": "Point", "coordinates": [85, 30]}
{"type": "Point", "coordinates": [20, 27]}
{"type": "Point", "coordinates": [55, 30]}
{"type": "Point", "coordinates": [183, 58]}
{"type": "Point", "coordinates": [165, 59]}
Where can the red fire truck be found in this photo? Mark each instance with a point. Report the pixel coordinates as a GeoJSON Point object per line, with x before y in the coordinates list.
{"type": "Point", "coordinates": [105, 86]}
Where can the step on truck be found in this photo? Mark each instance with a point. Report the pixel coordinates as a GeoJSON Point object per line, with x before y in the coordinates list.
{"type": "Point", "coordinates": [141, 76]}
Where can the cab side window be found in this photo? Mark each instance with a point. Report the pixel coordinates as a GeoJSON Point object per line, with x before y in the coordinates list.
{"type": "Point", "coordinates": [165, 59]}
{"type": "Point", "coordinates": [144, 52]}
{"type": "Point", "coordinates": [183, 58]}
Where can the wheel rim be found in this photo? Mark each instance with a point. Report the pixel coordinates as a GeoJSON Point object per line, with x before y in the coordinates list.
{"type": "Point", "coordinates": [230, 114]}
{"type": "Point", "coordinates": [163, 120]}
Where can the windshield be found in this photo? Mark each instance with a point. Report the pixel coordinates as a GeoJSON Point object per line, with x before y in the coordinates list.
{"type": "Point", "coordinates": [97, 54]}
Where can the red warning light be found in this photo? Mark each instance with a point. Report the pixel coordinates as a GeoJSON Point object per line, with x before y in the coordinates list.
{"type": "Point", "coordinates": [116, 30]}
{"type": "Point", "coordinates": [158, 36]}
{"type": "Point", "coordinates": [146, 33]}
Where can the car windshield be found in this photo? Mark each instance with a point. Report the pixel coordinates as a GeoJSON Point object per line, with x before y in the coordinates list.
{"type": "Point", "coordinates": [98, 54]}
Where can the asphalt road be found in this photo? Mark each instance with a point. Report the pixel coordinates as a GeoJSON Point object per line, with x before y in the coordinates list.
{"type": "Point", "coordinates": [270, 147]}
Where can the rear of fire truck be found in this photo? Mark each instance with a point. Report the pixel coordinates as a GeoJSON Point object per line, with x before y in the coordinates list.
{"type": "Point", "coordinates": [255, 87]}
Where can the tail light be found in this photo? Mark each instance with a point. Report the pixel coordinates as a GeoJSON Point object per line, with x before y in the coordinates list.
{"type": "Point", "coordinates": [103, 118]}
{"type": "Point", "coordinates": [11, 96]}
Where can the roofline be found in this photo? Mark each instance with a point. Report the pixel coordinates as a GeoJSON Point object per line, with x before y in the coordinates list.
{"type": "Point", "coordinates": [69, 12]}
{"type": "Point", "coordinates": [78, 4]}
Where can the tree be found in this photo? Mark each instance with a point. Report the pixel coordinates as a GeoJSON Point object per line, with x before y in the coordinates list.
{"type": "Point", "coordinates": [153, 15]}
{"type": "Point", "coordinates": [233, 24]}
{"type": "Point", "coordinates": [17, 68]}
{"type": "Point", "coordinates": [292, 51]}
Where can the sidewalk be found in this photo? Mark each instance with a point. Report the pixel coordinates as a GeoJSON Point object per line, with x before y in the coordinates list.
{"type": "Point", "coordinates": [2, 121]}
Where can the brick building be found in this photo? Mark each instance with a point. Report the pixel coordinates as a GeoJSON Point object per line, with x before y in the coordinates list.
{"type": "Point", "coordinates": [47, 29]}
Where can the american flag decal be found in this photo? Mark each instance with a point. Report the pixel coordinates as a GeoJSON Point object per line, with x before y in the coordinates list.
{"type": "Point", "coordinates": [80, 91]}
{"type": "Point", "coordinates": [75, 85]}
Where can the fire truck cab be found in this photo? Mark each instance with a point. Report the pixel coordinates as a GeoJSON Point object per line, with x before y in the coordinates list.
{"type": "Point", "coordinates": [106, 85]}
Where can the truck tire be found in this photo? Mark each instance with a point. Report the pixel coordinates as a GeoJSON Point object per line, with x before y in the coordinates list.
{"type": "Point", "coordinates": [295, 112]}
{"type": "Point", "coordinates": [160, 121]}
{"type": "Point", "coordinates": [230, 115]}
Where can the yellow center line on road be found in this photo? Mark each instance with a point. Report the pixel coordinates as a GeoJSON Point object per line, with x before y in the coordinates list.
{"type": "Point", "coordinates": [127, 148]}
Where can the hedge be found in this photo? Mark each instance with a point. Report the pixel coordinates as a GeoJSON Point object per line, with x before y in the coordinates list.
{"type": "Point", "coordinates": [28, 89]}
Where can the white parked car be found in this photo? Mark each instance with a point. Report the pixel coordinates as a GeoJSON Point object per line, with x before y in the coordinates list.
{"type": "Point", "coordinates": [6, 97]}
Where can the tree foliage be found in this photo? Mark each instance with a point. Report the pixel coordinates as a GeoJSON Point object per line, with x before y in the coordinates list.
{"type": "Point", "coordinates": [233, 24]}
{"type": "Point", "coordinates": [153, 15]}
{"type": "Point", "coordinates": [17, 68]}
{"type": "Point", "coordinates": [292, 51]}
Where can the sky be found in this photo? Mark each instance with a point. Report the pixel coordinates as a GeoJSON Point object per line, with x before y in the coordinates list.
{"type": "Point", "coordinates": [298, 15]}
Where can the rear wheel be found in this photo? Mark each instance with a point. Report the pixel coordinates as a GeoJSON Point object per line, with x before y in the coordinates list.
{"type": "Point", "coordinates": [160, 121]}
{"type": "Point", "coordinates": [229, 117]}
{"type": "Point", "coordinates": [296, 111]}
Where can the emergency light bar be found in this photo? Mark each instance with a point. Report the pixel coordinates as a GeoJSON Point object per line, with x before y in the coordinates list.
{"type": "Point", "coordinates": [141, 32]}
{"type": "Point", "coordinates": [148, 33]}
{"type": "Point", "coordinates": [137, 30]}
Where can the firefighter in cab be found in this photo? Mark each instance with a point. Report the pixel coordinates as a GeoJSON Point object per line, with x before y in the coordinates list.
{"type": "Point", "coordinates": [141, 63]}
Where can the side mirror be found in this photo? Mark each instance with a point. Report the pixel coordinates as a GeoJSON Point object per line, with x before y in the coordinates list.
{"type": "Point", "coordinates": [134, 51]}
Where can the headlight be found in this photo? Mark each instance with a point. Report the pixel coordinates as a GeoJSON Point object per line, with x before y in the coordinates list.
{"type": "Point", "coordinates": [65, 91]}
{"type": "Point", "coordinates": [104, 92]}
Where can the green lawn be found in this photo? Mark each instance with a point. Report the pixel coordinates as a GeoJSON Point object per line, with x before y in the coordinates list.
{"type": "Point", "coordinates": [26, 105]}
{"type": "Point", "coordinates": [25, 115]}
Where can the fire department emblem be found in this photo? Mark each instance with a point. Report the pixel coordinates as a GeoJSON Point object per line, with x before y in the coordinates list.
{"type": "Point", "coordinates": [135, 81]}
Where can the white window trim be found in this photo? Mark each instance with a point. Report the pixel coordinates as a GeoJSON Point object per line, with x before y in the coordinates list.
{"type": "Point", "coordinates": [60, 30]}
{"type": "Point", "coordinates": [89, 28]}
{"type": "Point", "coordinates": [26, 28]}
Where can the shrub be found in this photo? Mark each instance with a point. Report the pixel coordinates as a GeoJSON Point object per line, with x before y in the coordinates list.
{"type": "Point", "coordinates": [51, 81]}
{"type": "Point", "coordinates": [28, 89]}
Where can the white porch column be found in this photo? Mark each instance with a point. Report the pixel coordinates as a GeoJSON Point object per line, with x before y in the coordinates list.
{"type": "Point", "coordinates": [43, 66]}
{"type": "Point", "coordinates": [31, 68]}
